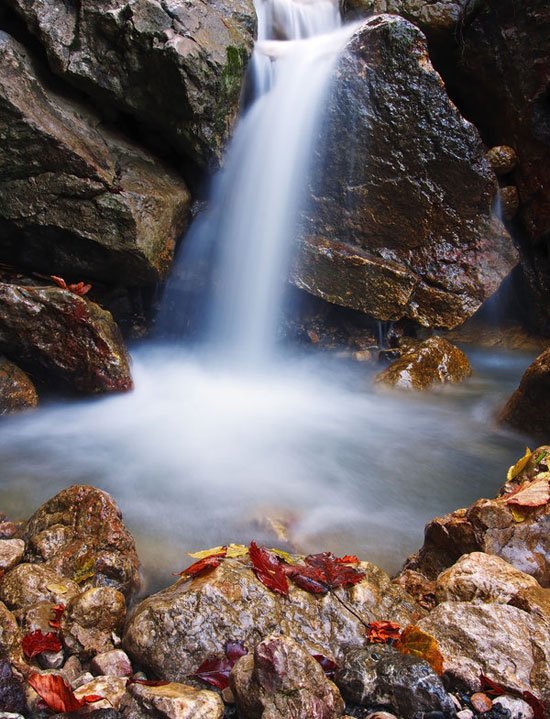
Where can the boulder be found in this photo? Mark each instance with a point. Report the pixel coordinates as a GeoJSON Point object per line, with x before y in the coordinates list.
{"type": "Point", "coordinates": [380, 675]}
{"type": "Point", "coordinates": [435, 361]}
{"type": "Point", "coordinates": [171, 633]}
{"type": "Point", "coordinates": [503, 159]}
{"type": "Point", "coordinates": [174, 701]}
{"type": "Point", "coordinates": [75, 198]}
{"type": "Point", "coordinates": [399, 221]}
{"type": "Point", "coordinates": [504, 643]}
{"type": "Point", "coordinates": [280, 680]}
{"type": "Point", "coordinates": [528, 409]}
{"type": "Point", "coordinates": [11, 553]}
{"type": "Point", "coordinates": [28, 584]}
{"type": "Point", "coordinates": [63, 338]}
{"type": "Point", "coordinates": [16, 390]}
{"type": "Point", "coordinates": [177, 67]}
{"type": "Point", "coordinates": [92, 621]}
{"type": "Point", "coordinates": [80, 534]}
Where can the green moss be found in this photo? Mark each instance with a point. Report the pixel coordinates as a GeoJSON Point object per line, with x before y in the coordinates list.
{"type": "Point", "coordinates": [234, 69]}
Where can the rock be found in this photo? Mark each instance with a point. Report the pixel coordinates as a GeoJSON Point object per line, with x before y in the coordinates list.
{"type": "Point", "coordinates": [401, 224]}
{"type": "Point", "coordinates": [11, 553]}
{"type": "Point", "coordinates": [176, 701]}
{"type": "Point", "coordinates": [72, 669]}
{"type": "Point", "coordinates": [509, 202]}
{"type": "Point", "coordinates": [507, 645]}
{"type": "Point", "coordinates": [503, 159]}
{"type": "Point", "coordinates": [90, 619]}
{"type": "Point", "coordinates": [435, 361]}
{"type": "Point", "coordinates": [465, 714]}
{"type": "Point", "coordinates": [10, 636]}
{"type": "Point", "coordinates": [171, 633]}
{"type": "Point", "coordinates": [416, 584]}
{"type": "Point", "coordinates": [63, 338]}
{"type": "Point", "coordinates": [16, 389]}
{"type": "Point", "coordinates": [76, 199]}
{"type": "Point", "coordinates": [176, 67]}
{"type": "Point", "coordinates": [36, 617]}
{"type": "Point", "coordinates": [382, 675]}
{"type": "Point", "coordinates": [481, 702]}
{"type": "Point", "coordinates": [80, 533]}
{"type": "Point", "coordinates": [28, 584]}
{"type": "Point", "coordinates": [280, 680]}
{"type": "Point", "coordinates": [111, 688]}
{"type": "Point", "coordinates": [51, 660]}
{"type": "Point", "coordinates": [518, 708]}
{"type": "Point", "coordinates": [12, 693]}
{"type": "Point", "coordinates": [114, 663]}
{"type": "Point", "coordinates": [528, 409]}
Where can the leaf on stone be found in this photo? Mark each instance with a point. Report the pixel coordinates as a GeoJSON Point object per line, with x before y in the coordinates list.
{"type": "Point", "coordinates": [310, 579]}
{"type": "Point", "coordinates": [347, 559]}
{"type": "Point", "coordinates": [36, 642]}
{"type": "Point", "coordinates": [57, 588]}
{"type": "Point", "coordinates": [57, 694]}
{"type": "Point", "coordinates": [207, 564]}
{"type": "Point", "coordinates": [519, 515]}
{"type": "Point", "coordinates": [57, 611]}
{"type": "Point", "coordinates": [216, 670]}
{"type": "Point", "coordinates": [85, 569]}
{"type": "Point", "coordinates": [536, 705]}
{"type": "Point", "coordinates": [323, 569]}
{"type": "Point", "coordinates": [234, 651]}
{"type": "Point", "coordinates": [236, 550]}
{"type": "Point", "coordinates": [267, 567]}
{"type": "Point", "coordinates": [532, 494]}
{"type": "Point", "coordinates": [490, 687]}
{"type": "Point", "coordinates": [328, 665]}
{"type": "Point", "coordinates": [383, 632]}
{"type": "Point", "coordinates": [212, 552]}
{"type": "Point", "coordinates": [519, 466]}
{"type": "Point", "coordinates": [78, 288]}
{"type": "Point", "coordinates": [416, 642]}
{"type": "Point", "coordinates": [285, 556]}
{"type": "Point", "coordinates": [147, 682]}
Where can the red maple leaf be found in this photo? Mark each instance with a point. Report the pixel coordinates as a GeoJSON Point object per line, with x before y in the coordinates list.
{"type": "Point", "coordinates": [78, 288]}
{"type": "Point", "coordinates": [36, 642]}
{"type": "Point", "coordinates": [147, 682]}
{"type": "Point", "coordinates": [323, 572]}
{"type": "Point", "coordinates": [57, 694]}
{"type": "Point", "coordinates": [57, 610]}
{"type": "Point", "coordinates": [268, 568]}
{"type": "Point", "coordinates": [496, 690]}
{"type": "Point", "coordinates": [204, 565]}
{"type": "Point", "coordinates": [383, 632]}
{"type": "Point", "coordinates": [216, 670]}
{"type": "Point", "coordinates": [347, 559]}
{"type": "Point", "coordinates": [328, 665]}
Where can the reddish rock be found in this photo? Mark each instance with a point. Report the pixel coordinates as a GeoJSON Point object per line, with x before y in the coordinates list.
{"type": "Point", "coordinates": [11, 553]}
{"type": "Point", "coordinates": [114, 663]}
{"type": "Point", "coordinates": [528, 409]}
{"type": "Point", "coordinates": [16, 388]}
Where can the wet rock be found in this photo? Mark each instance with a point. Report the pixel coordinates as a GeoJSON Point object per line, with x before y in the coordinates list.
{"type": "Point", "coordinates": [72, 669]}
{"type": "Point", "coordinates": [63, 338]}
{"type": "Point", "coordinates": [80, 534]}
{"type": "Point", "coordinates": [174, 700]}
{"type": "Point", "coordinates": [89, 621]}
{"type": "Point", "coordinates": [481, 702]}
{"type": "Point", "coordinates": [176, 67]}
{"type": "Point", "coordinates": [435, 361]}
{"type": "Point", "coordinates": [51, 660]}
{"type": "Point", "coordinates": [29, 584]}
{"type": "Point", "coordinates": [10, 637]}
{"type": "Point", "coordinates": [114, 663]}
{"type": "Point", "coordinates": [111, 688]}
{"type": "Point", "coordinates": [12, 693]}
{"type": "Point", "coordinates": [36, 617]}
{"type": "Point", "coordinates": [16, 388]}
{"type": "Point", "coordinates": [504, 643]}
{"type": "Point", "coordinates": [171, 633]}
{"type": "Point", "coordinates": [382, 675]}
{"type": "Point", "coordinates": [528, 409]}
{"type": "Point", "coordinates": [509, 201]}
{"type": "Point", "coordinates": [281, 679]}
{"type": "Point", "coordinates": [416, 584]}
{"type": "Point", "coordinates": [76, 199]}
{"type": "Point", "coordinates": [518, 708]}
{"type": "Point", "coordinates": [401, 225]}
{"type": "Point", "coordinates": [503, 159]}
{"type": "Point", "coordinates": [11, 553]}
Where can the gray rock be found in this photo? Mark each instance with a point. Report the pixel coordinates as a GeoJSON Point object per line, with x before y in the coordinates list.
{"type": "Point", "coordinates": [114, 663]}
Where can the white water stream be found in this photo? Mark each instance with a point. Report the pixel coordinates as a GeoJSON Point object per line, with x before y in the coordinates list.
{"type": "Point", "coordinates": [207, 443]}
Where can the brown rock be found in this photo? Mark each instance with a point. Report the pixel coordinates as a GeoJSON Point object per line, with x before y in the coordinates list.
{"type": "Point", "coordinates": [507, 645]}
{"type": "Point", "coordinates": [80, 534]}
{"type": "Point", "coordinates": [114, 663]}
{"type": "Point", "coordinates": [416, 584]}
{"type": "Point", "coordinates": [89, 621]}
{"type": "Point", "coordinates": [405, 229]}
{"type": "Point", "coordinates": [509, 201]}
{"type": "Point", "coordinates": [29, 584]}
{"type": "Point", "coordinates": [36, 617]}
{"type": "Point", "coordinates": [280, 680]}
{"type": "Point", "coordinates": [171, 633]}
{"type": "Point", "coordinates": [111, 688]}
{"type": "Point", "coordinates": [10, 636]}
{"type": "Point", "coordinates": [11, 553]}
{"type": "Point", "coordinates": [435, 361]}
{"type": "Point", "coordinates": [63, 338]}
{"type": "Point", "coordinates": [16, 388]}
{"type": "Point", "coordinates": [528, 409]}
{"type": "Point", "coordinates": [174, 700]}
{"type": "Point", "coordinates": [481, 702]}
{"type": "Point", "coordinates": [503, 159]}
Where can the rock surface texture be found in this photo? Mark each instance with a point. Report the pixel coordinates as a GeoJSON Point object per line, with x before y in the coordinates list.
{"type": "Point", "coordinates": [63, 338]}
{"type": "Point", "coordinates": [173, 700]}
{"type": "Point", "coordinates": [528, 409]}
{"type": "Point", "coordinates": [76, 198]}
{"type": "Point", "coordinates": [400, 220]}
{"type": "Point", "coordinates": [175, 66]}
{"type": "Point", "coordinates": [16, 388]}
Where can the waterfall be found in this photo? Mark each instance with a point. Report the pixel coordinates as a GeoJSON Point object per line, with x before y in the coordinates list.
{"type": "Point", "coordinates": [245, 237]}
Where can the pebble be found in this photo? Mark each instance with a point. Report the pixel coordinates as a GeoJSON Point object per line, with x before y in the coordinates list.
{"type": "Point", "coordinates": [51, 660]}
{"type": "Point", "coordinates": [85, 678]}
{"type": "Point", "coordinates": [381, 715]}
{"type": "Point", "coordinates": [518, 708]}
{"type": "Point", "coordinates": [465, 714]}
{"type": "Point", "coordinates": [114, 663]}
{"type": "Point", "coordinates": [481, 702]}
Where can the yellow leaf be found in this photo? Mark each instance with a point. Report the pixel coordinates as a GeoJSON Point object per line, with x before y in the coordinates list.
{"type": "Point", "coordinates": [85, 569]}
{"type": "Point", "coordinates": [519, 466]}
{"type": "Point", "coordinates": [206, 552]}
{"type": "Point", "coordinates": [57, 588]}
{"type": "Point", "coordinates": [288, 558]}
{"type": "Point", "coordinates": [416, 642]}
{"type": "Point", "coordinates": [236, 550]}
{"type": "Point", "coordinates": [518, 515]}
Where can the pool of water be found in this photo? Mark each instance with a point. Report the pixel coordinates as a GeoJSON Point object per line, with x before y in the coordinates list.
{"type": "Point", "coordinates": [199, 455]}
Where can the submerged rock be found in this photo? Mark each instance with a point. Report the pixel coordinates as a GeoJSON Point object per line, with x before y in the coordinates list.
{"type": "Point", "coordinates": [79, 533]}
{"type": "Point", "coordinates": [63, 338]}
{"type": "Point", "coordinates": [435, 361]}
{"type": "Point", "coordinates": [16, 388]}
{"type": "Point", "coordinates": [528, 409]}
{"type": "Point", "coordinates": [174, 700]}
{"type": "Point", "coordinates": [281, 680]}
{"type": "Point", "coordinates": [399, 222]}
{"type": "Point", "coordinates": [177, 66]}
{"type": "Point", "coordinates": [75, 198]}
{"type": "Point", "coordinates": [171, 633]}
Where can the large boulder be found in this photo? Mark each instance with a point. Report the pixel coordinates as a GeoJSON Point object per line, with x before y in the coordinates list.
{"type": "Point", "coordinates": [75, 198]}
{"type": "Point", "coordinates": [528, 409]}
{"type": "Point", "coordinates": [16, 388]}
{"type": "Point", "coordinates": [176, 66]}
{"type": "Point", "coordinates": [399, 222]}
{"type": "Point", "coordinates": [173, 700]}
{"type": "Point", "coordinates": [63, 338]}
{"type": "Point", "coordinates": [171, 633]}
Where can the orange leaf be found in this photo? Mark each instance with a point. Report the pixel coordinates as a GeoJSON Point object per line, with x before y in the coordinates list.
{"type": "Point", "coordinates": [532, 494]}
{"type": "Point", "coordinates": [59, 281]}
{"type": "Point", "coordinates": [416, 642]}
{"type": "Point", "coordinates": [383, 632]}
{"type": "Point", "coordinates": [347, 559]}
{"type": "Point", "coordinates": [204, 565]}
{"type": "Point", "coordinates": [57, 694]}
